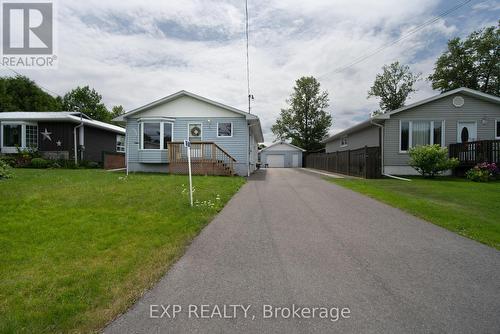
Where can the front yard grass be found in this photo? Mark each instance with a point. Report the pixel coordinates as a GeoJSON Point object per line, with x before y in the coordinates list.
{"type": "Point", "coordinates": [468, 208]}
{"type": "Point", "coordinates": [80, 246]}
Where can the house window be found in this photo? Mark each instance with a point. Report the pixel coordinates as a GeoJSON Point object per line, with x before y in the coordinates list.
{"type": "Point", "coordinates": [419, 133]}
{"type": "Point", "coordinates": [167, 134]}
{"type": "Point", "coordinates": [120, 143]}
{"type": "Point", "coordinates": [195, 132]}
{"type": "Point", "coordinates": [156, 135]}
{"type": "Point", "coordinates": [19, 135]}
{"type": "Point", "coordinates": [497, 129]}
{"type": "Point", "coordinates": [343, 141]}
{"type": "Point", "coordinates": [224, 129]}
{"type": "Point", "coordinates": [12, 135]}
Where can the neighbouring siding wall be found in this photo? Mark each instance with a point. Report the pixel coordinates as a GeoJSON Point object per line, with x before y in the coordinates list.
{"type": "Point", "coordinates": [474, 109]}
{"type": "Point", "coordinates": [365, 137]}
{"type": "Point", "coordinates": [98, 141]}
{"type": "Point", "coordinates": [61, 131]}
{"type": "Point", "coordinates": [236, 146]}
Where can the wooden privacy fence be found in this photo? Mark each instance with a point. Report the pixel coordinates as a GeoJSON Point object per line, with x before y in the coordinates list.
{"type": "Point", "coordinates": [207, 158]}
{"type": "Point", "coordinates": [363, 162]}
{"type": "Point", "coordinates": [472, 153]}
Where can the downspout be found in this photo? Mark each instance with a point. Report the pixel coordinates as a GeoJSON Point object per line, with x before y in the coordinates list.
{"type": "Point", "coordinates": [74, 138]}
{"type": "Point", "coordinates": [382, 153]}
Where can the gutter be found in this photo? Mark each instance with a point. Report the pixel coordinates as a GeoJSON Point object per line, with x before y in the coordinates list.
{"type": "Point", "coordinates": [74, 138]}
{"type": "Point", "coordinates": [382, 153]}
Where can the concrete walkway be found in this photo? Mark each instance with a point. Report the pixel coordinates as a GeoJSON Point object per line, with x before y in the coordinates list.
{"type": "Point", "coordinates": [289, 237]}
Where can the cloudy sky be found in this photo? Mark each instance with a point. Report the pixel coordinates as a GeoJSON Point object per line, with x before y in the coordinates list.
{"type": "Point", "coordinates": [134, 52]}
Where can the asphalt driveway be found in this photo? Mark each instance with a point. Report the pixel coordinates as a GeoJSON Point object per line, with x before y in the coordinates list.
{"type": "Point", "coordinates": [289, 237]}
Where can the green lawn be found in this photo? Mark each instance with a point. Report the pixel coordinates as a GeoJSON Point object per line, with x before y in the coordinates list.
{"type": "Point", "coordinates": [79, 246]}
{"type": "Point", "coordinates": [467, 208]}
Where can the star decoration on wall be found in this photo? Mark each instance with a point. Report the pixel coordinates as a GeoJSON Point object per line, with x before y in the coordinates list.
{"type": "Point", "coordinates": [46, 134]}
{"type": "Point", "coordinates": [58, 143]}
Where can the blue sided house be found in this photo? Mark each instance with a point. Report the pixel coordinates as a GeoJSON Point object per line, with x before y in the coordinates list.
{"type": "Point", "coordinates": [224, 140]}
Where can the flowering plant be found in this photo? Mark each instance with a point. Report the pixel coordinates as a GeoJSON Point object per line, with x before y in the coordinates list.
{"type": "Point", "coordinates": [483, 172]}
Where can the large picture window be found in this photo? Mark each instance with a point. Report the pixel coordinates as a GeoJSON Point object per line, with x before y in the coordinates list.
{"type": "Point", "coordinates": [419, 133]}
{"type": "Point", "coordinates": [18, 135]}
{"type": "Point", "coordinates": [156, 135]}
{"type": "Point", "coordinates": [224, 129]}
{"type": "Point", "coordinates": [12, 135]}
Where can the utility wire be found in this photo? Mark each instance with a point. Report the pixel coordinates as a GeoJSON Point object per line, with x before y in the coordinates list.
{"type": "Point", "coordinates": [408, 34]}
{"type": "Point", "coordinates": [42, 87]}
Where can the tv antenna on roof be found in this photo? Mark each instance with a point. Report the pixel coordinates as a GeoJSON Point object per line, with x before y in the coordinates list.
{"type": "Point", "coordinates": [250, 96]}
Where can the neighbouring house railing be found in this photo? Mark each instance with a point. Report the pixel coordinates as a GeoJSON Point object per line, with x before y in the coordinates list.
{"type": "Point", "coordinates": [207, 158]}
{"type": "Point", "coordinates": [472, 153]}
{"type": "Point", "coordinates": [364, 162]}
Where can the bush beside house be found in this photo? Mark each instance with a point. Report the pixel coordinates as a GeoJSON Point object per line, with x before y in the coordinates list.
{"type": "Point", "coordinates": [430, 160]}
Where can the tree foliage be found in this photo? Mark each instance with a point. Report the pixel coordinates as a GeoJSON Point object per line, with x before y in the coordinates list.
{"type": "Point", "coordinates": [117, 111]}
{"type": "Point", "coordinates": [305, 122]}
{"type": "Point", "coordinates": [19, 93]}
{"type": "Point", "coordinates": [87, 101]}
{"type": "Point", "coordinates": [393, 86]}
{"type": "Point", "coordinates": [473, 63]}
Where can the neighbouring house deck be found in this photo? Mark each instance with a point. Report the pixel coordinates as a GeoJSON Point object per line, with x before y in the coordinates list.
{"type": "Point", "coordinates": [472, 153]}
{"type": "Point", "coordinates": [207, 158]}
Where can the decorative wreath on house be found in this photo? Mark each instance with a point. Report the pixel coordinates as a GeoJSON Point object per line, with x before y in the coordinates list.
{"type": "Point", "coordinates": [195, 131]}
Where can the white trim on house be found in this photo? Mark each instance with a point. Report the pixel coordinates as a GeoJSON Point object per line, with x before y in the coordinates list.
{"type": "Point", "coordinates": [406, 170]}
{"type": "Point", "coordinates": [23, 124]}
{"type": "Point", "coordinates": [224, 136]}
{"type": "Point", "coordinates": [162, 134]}
{"type": "Point", "coordinates": [174, 96]}
{"type": "Point", "coordinates": [410, 133]}
{"type": "Point", "coordinates": [459, 134]}
{"type": "Point", "coordinates": [466, 91]}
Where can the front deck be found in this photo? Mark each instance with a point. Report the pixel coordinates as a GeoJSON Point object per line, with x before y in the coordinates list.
{"type": "Point", "coordinates": [207, 158]}
{"type": "Point", "coordinates": [471, 153]}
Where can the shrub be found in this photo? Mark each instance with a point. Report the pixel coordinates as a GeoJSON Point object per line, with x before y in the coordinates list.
{"type": "Point", "coordinates": [9, 160]}
{"type": "Point", "coordinates": [40, 163]}
{"type": "Point", "coordinates": [5, 170]}
{"type": "Point", "coordinates": [430, 160]}
{"type": "Point", "coordinates": [482, 172]}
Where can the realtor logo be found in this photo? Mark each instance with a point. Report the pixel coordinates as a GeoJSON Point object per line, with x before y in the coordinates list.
{"type": "Point", "coordinates": [28, 32]}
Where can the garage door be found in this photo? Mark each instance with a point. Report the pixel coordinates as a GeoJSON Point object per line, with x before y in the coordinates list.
{"type": "Point", "coordinates": [276, 160]}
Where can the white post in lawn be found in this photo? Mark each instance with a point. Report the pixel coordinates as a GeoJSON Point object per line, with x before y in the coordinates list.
{"type": "Point", "coordinates": [187, 144]}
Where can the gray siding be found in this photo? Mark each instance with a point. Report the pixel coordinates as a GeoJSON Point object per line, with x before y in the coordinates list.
{"type": "Point", "coordinates": [365, 137]}
{"type": "Point", "coordinates": [288, 157]}
{"type": "Point", "coordinates": [474, 109]}
{"type": "Point", "coordinates": [236, 146]}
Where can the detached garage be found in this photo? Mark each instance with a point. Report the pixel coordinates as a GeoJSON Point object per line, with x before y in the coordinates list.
{"type": "Point", "coordinates": [281, 155]}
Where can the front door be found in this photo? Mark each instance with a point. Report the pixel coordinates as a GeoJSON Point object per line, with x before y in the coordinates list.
{"type": "Point", "coordinates": [295, 160]}
{"type": "Point", "coordinates": [466, 132]}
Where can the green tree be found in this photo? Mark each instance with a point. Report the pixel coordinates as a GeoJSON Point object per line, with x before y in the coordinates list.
{"type": "Point", "coordinates": [305, 121]}
{"type": "Point", "coordinates": [473, 63]}
{"type": "Point", "coordinates": [393, 86]}
{"type": "Point", "coordinates": [19, 93]}
{"type": "Point", "coordinates": [117, 111]}
{"type": "Point", "coordinates": [87, 101]}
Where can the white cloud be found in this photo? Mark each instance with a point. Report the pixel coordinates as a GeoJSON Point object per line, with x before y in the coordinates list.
{"type": "Point", "coordinates": [135, 51]}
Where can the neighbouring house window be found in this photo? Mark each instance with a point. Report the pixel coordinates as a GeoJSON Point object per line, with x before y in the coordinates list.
{"type": "Point", "coordinates": [12, 135]}
{"type": "Point", "coordinates": [120, 143]}
{"type": "Point", "coordinates": [497, 134]}
{"type": "Point", "coordinates": [343, 141]}
{"type": "Point", "coordinates": [31, 136]}
{"type": "Point", "coordinates": [195, 131]}
{"type": "Point", "coordinates": [418, 133]}
{"type": "Point", "coordinates": [156, 135]}
{"type": "Point", "coordinates": [167, 134]}
{"type": "Point", "coordinates": [151, 136]}
{"type": "Point", "coordinates": [224, 129]}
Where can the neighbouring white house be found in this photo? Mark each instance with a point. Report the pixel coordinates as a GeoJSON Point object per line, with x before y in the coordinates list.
{"type": "Point", "coordinates": [224, 139]}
